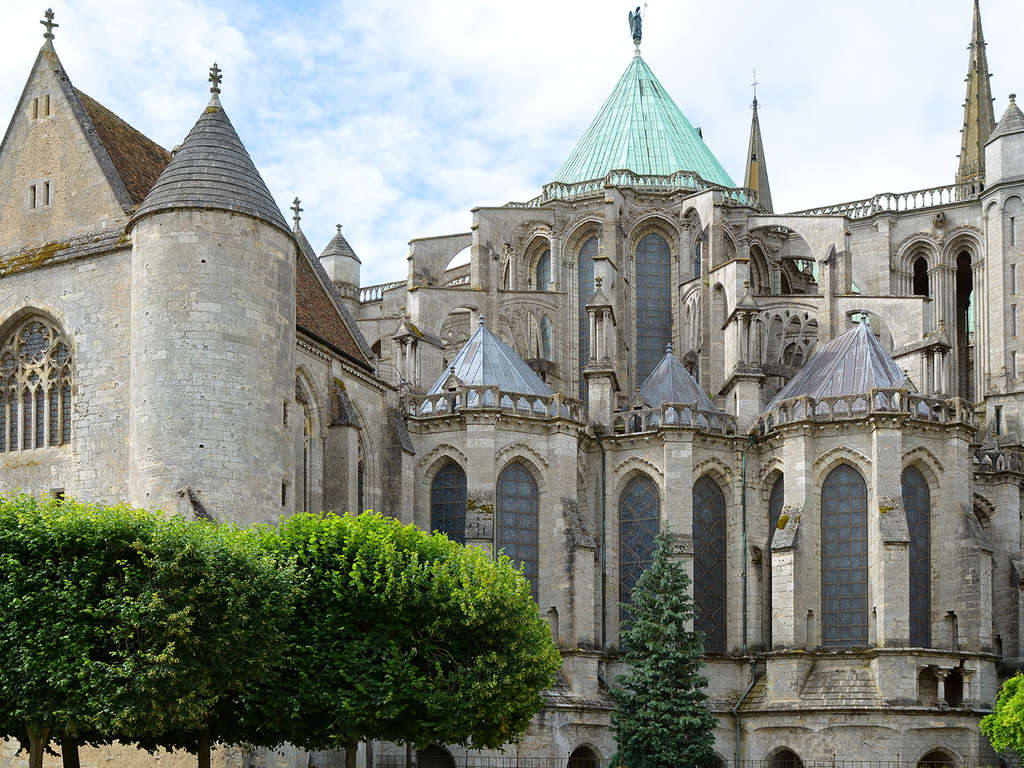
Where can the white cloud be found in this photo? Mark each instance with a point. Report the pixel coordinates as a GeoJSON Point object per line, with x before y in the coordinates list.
{"type": "Point", "coordinates": [397, 117]}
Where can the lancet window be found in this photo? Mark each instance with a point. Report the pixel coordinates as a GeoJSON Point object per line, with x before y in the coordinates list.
{"type": "Point", "coordinates": [653, 302]}
{"type": "Point", "coordinates": [639, 520]}
{"type": "Point", "coordinates": [844, 559]}
{"type": "Point", "coordinates": [585, 291]}
{"type": "Point", "coordinates": [917, 503]}
{"type": "Point", "coordinates": [448, 502]}
{"type": "Point", "coordinates": [543, 271]}
{"type": "Point", "coordinates": [518, 520]}
{"type": "Point", "coordinates": [35, 387]}
{"type": "Point", "coordinates": [709, 563]}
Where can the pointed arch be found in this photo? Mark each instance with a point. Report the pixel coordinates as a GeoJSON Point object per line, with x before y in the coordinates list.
{"type": "Point", "coordinates": [709, 557]}
{"type": "Point", "coordinates": [517, 523]}
{"type": "Point", "coordinates": [639, 523]}
{"type": "Point", "coordinates": [448, 501]}
{"type": "Point", "coordinates": [844, 559]}
{"type": "Point", "coordinates": [585, 290]}
{"type": "Point", "coordinates": [917, 504]}
{"type": "Point", "coordinates": [653, 302]}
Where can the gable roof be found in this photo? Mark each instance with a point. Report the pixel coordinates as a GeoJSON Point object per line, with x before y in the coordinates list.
{"type": "Point", "coordinates": [487, 361]}
{"type": "Point", "coordinates": [138, 160]}
{"type": "Point", "coordinates": [853, 363]}
{"type": "Point", "coordinates": [639, 128]}
{"type": "Point", "coordinates": [320, 311]}
{"type": "Point", "coordinates": [212, 169]}
{"type": "Point", "coordinates": [670, 382]}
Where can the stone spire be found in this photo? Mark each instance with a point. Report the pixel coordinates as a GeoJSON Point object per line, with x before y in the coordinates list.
{"type": "Point", "coordinates": [757, 172]}
{"type": "Point", "coordinates": [979, 119]}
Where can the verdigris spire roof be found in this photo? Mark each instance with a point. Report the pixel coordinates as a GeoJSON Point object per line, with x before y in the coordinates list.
{"type": "Point", "coordinates": [979, 119]}
{"type": "Point", "coordinates": [1012, 120]}
{"type": "Point", "coordinates": [639, 128]}
{"type": "Point", "coordinates": [757, 172]}
{"type": "Point", "coordinates": [670, 382]}
{"type": "Point", "coordinates": [851, 364]}
{"type": "Point", "coordinates": [487, 361]}
{"type": "Point", "coordinates": [339, 247]}
{"type": "Point", "coordinates": [211, 169]}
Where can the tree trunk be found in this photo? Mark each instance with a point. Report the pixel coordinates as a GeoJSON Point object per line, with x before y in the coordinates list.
{"type": "Point", "coordinates": [38, 738]}
{"type": "Point", "coordinates": [204, 749]}
{"type": "Point", "coordinates": [351, 749]}
{"type": "Point", "coordinates": [69, 752]}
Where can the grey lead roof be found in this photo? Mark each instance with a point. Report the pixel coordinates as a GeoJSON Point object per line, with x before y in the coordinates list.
{"type": "Point", "coordinates": [670, 382]}
{"type": "Point", "coordinates": [212, 169]}
{"type": "Point", "coordinates": [851, 364]}
{"type": "Point", "coordinates": [1012, 120]}
{"type": "Point", "coordinates": [487, 361]}
{"type": "Point", "coordinates": [339, 247]}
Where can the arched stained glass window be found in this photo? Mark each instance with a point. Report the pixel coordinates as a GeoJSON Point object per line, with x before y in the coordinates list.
{"type": "Point", "coordinates": [653, 302]}
{"type": "Point", "coordinates": [35, 387]}
{"type": "Point", "coordinates": [545, 338]}
{"type": "Point", "coordinates": [518, 523]}
{"type": "Point", "coordinates": [775, 502]}
{"type": "Point", "coordinates": [917, 503]}
{"type": "Point", "coordinates": [448, 502]}
{"type": "Point", "coordinates": [639, 520]}
{"type": "Point", "coordinates": [709, 563]}
{"type": "Point", "coordinates": [543, 271]}
{"type": "Point", "coordinates": [585, 291]}
{"type": "Point", "coordinates": [844, 559]}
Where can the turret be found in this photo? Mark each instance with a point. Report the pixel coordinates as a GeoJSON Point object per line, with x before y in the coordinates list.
{"type": "Point", "coordinates": [212, 333]}
{"type": "Point", "coordinates": [342, 265]}
{"type": "Point", "coordinates": [1004, 152]}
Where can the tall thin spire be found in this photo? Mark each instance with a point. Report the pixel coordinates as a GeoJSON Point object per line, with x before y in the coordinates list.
{"type": "Point", "coordinates": [979, 119]}
{"type": "Point", "coordinates": [756, 177]}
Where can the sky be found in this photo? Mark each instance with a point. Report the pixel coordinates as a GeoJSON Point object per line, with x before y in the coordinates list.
{"type": "Point", "coordinates": [395, 118]}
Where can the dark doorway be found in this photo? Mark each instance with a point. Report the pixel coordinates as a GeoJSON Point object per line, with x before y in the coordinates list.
{"type": "Point", "coordinates": [583, 757]}
{"type": "Point", "coordinates": [786, 758]}
{"type": "Point", "coordinates": [434, 757]}
{"type": "Point", "coordinates": [921, 277]}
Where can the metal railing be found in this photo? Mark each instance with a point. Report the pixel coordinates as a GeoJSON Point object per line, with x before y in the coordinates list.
{"type": "Point", "coordinates": [471, 760]}
{"type": "Point", "coordinates": [376, 292]}
{"type": "Point", "coordinates": [681, 181]}
{"type": "Point", "coordinates": [898, 202]}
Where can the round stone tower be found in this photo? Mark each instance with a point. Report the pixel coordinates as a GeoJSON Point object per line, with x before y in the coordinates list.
{"type": "Point", "coordinates": [212, 334]}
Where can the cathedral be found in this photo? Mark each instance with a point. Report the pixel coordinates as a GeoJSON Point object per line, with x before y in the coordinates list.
{"type": "Point", "coordinates": [822, 407]}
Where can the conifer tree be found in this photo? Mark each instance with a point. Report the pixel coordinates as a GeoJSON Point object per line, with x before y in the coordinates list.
{"type": "Point", "coordinates": [660, 719]}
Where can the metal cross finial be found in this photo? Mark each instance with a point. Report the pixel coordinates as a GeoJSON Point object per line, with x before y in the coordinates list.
{"type": "Point", "coordinates": [48, 23]}
{"type": "Point", "coordinates": [215, 78]}
{"type": "Point", "coordinates": [754, 86]}
{"type": "Point", "coordinates": [296, 210]}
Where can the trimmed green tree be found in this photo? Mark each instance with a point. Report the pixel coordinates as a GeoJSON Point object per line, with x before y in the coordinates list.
{"type": "Point", "coordinates": [1005, 726]}
{"type": "Point", "coordinates": [660, 719]}
{"type": "Point", "coordinates": [411, 638]}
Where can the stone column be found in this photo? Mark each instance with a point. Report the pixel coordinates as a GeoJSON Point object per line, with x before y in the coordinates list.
{"type": "Point", "coordinates": [796, 584]}
{"type": "Point", "coordinates": [677, 508]}
{"type": "Point", "coordinates": [481, 477]}
{"type": "Point", "coordinates": [888, 537]}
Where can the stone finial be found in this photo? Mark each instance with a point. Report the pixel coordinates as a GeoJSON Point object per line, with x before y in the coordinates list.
{"type": "Point", "coordinates": [49, 24]}
{"type": "Point", "coordinates": [296, 210]}
{"type": "Point", "coordinates": [482, 323]}
{"type": "Point", "coordinates": [339, 228]}
{"type": "Point", "coordinates": [1013, 98]}
{"type": "Point", "coordinates": [668, 348]}
{"type": "Point", "coordinates": [215, 78]}
{"type": "Point", "coordinates": [597, 282]}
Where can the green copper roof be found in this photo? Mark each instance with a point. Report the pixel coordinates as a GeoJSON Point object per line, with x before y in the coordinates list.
{"type": "Point", "coordinates": [641, 129]}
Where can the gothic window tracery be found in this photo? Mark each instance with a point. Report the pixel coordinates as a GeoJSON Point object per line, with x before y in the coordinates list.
{"type": "Point", "coordinates": [709, 563]}
{"type": "Point", "coordinates": [542, 273]}
{"type": "Point", "coordinates": [448, 502]}
{"type": "Point", "coordinates": [844, 559]}
{"type": "Point", "coordinates": [518, 520]}
{"type": "Point", "coordinates": [639, 521]}
{"type": "Point", "coordinates": [917, 503]}
{"type": "Point", "coordinates": [35, 387]}
{"type": "Point", "coordinates": [653, 302]}
{"type": "Point", "coordinates": [585, 290]}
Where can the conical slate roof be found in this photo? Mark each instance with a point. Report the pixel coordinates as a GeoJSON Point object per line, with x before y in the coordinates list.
{"type": "Point", "coordinates": [640, 129]}
{"type": "Point", "coordinates": [487, 361]}
{"type": "Point", "coordinates": [851, 364]}
{"type": "Point", "coordinates": [212, 170]}
{"type": "Point", "coordinates": [1012, 120]}
{"type": "Point", "coordinates": [670, 382]}
{"type": "Point", "coordinates": [339, 247]}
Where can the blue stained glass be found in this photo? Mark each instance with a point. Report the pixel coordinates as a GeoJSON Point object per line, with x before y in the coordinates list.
{"type": "Point", "coordinates": [585, 290]}
{"type": "Point", "coordinates": [709, 588]}
{"type": "Point", "coordinates": [917, 503]}
{"type": "Point", "coordinates": [543, 271]}
{"type": "Point", "coordinates": [844, 559]}
{"type": "Point", "coordinates": [518, 520]}
{"type": "Point", "coordinates": [639, 520]}
{"type": "Point", "coordinates": [448, 502]}
{"type": "Point", "coordinates": [653, 303]}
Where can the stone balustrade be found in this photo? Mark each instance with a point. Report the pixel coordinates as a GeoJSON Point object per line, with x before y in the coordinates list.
{"type": "Point", "coordinates": [999, 460]}
{"type": "Point", "coordinates": [673, 416]}
{"type": "Point", "coordinates": [879, 402]}
{"type": "Point", "coordinates": [370, 293]}
{"type": "Point", "coordinates": [897, 202]}
{"type": "Point", "coordinates": [476, 398]}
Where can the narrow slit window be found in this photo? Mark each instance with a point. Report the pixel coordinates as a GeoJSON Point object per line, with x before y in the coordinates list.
{"type": "Point", "coordinates": [35, 109]}
{"type": "Point", "coordinates": [46, 193]}
{"type": "Point", "coordinates": [284, 493]}
{"type": "Point", "coordinates": [1013, 320]}
{"type": "Point", "coordinates": [32, 196]}
{"type": "Point", "coordinates": [46, 105]}
{"type": "Point", "coordinates": [1013, 278]}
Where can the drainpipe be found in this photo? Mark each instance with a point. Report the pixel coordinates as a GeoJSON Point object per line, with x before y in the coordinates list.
{"type": "Point", "coordinates": [753, 679]}
{"type": "Point", "coordinates": [604, 547]}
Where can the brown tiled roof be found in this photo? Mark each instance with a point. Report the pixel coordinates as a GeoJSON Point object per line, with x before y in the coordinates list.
{"type": "Point", "coordinates": [138, 159]}
{"type": "Point", "coordinates": [315, 312]}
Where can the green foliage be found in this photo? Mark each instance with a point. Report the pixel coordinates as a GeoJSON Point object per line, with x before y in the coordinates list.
{"type": "Point", "coordinates": [660, 719]}
{"type": "Point", "coordinates": [1005, 726]}
{"type": "Point", "coordinates": [410, 638]}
